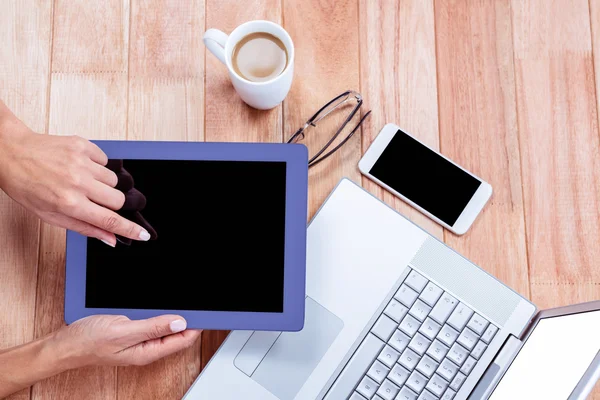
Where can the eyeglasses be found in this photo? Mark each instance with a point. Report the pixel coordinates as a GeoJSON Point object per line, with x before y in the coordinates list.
{"type": "Point", "coordinates": [348, 97]}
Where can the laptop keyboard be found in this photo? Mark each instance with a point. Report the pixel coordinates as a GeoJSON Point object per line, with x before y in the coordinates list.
{"type": "Point", "coordinates": [422, 347]}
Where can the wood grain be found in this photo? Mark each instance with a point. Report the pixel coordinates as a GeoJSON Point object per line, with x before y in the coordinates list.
{"type": "Point", "coordinates": [88, 98]}
{"type": "Point", "coordinates": [398, 80]}
{"type": "Point", "coordinates": [166, 102]}
{"type": "Point", "coordinates": [509, 89]}
{"type": "Point", "coordinates": [228, 118]}
{"type": "Point", "coordinates": [558, 124]}
{"type": "Point", "coordinates": [558, 127]}
{"type": "Point", "coordinates": [478, 129]}
{"type": "Point", "coordinates": [327, 63]}
{"type": "Point", "coordinates": [25, 29]}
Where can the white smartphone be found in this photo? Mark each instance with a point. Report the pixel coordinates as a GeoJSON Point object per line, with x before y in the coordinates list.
{"type": "Point", "coordinates": [430, 182]}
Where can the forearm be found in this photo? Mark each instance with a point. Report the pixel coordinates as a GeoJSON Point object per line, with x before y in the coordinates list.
{"type": "Point", "coordinates": [11, 129]}
{"type": "Point", "coordinates": [22, 366]}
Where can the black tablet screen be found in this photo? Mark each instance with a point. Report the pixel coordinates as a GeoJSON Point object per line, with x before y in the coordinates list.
{"type": "Point", "coordinates": [219, 242]}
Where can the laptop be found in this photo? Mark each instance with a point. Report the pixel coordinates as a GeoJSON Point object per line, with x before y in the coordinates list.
{"type": "Point", "coordinates": [394, 314]}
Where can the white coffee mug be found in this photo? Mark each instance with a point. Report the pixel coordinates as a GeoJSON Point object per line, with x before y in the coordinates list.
{"type": "Point", "coordinates": [260, 95]}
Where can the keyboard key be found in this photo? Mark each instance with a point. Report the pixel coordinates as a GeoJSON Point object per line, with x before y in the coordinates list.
{"type": "Point", "coordinates": [416, 281]}
{"type": "Point", "coordinates": [468, 339]}
{"type": "Point", "coordinates": [356, 396]}
{"type": "Point", "coordinates": [419, 310]}
{"type": "Point", "coordinates": [447, 370]}
{"type": "Point", "coordinates": [358, 365]}
{"type": "Point", "coordinates": [447, 335]}
{"type": "Point", "coordinates": [378, 372]}
{"type": "Point", "coordinates": [437, 350]}
{"type": "Point", "coordinates": [406, 295]}
{"type": "Point", "coordinates": [416, 381]}
{"type": "Point", "coordinates": [396, 310]}
{"type": "Point", "coordinates": [409, 325]}
{"type": "Point", "coordinates": [367, 387]}
{"type": "Point", "coordinates": [427, 366]}
{"type": "Point", "coordinates": [419, 344]}
{"type": "Point", "coordinates": [399, 375]}
{"type": "Point", "coordinates": [427, 396]}
{"type": "Point", "coordinates": [388, 390]}
{"type": "Point", "coordinates": [431, 294]}
{"type": "Point", "coordinates": [383, 328]}
{"type": "Point", "coordinates": [443, 308]}
{"type": "Point", "coordinates": [460, 316]}
{"type": "Point", "coordinates": [457, 354]}
{"type": "Point", "coordinates": [388, 356]}
{"type": "Point", "coordinates": [468, 366]}
{"type": "Point", "coordinates": [406, 394]}
{"type": "Point", "coordinates": [457, 381]}
{"type": "Point", "coordinates": [448, 394]}
{"type": "Point", "coordinates": [437, 385]}
{"type": "Point", "coordinates": [377, 398]}
{"type": "Point", "coordinates": [478, 324]}
{"type": "Point", "coordinates": [430, 328]}
{"type": "Point", "coordinates": [399, 341]}
{"type": "Point", "coordinates": [478, 350]}
{"type": "Point", "coordinates": [489, 333]}
{"type": "Point", "coordinates": [409, 359]}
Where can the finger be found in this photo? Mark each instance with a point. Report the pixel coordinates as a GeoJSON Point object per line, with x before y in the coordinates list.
{"type": "Point", "coordinates": [110, 221]}
{"type": "Point", "coordinates": [83, 228]}
{"type": "Point", "coordinates": [96, 154]}
{"type": "Point", "coordinates": [155, 349]}
{"type": "Point", "coordinates": [139, 219]}
{"type": "Point", "coordinates": [156, 327]}
{"type": "Point", "coordinates": [104, 175]}
{"type": "Point", "coordinates": [134, 201]}
{"type": "Point", "coordinates": [104, 195]}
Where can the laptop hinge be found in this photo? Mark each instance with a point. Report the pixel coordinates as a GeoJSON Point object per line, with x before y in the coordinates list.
{"type": "Point", "coordinates": [496, 369]}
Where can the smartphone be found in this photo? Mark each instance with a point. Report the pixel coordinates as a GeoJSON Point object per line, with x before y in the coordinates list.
{"type": "Point", "coordinates": [422, 177]}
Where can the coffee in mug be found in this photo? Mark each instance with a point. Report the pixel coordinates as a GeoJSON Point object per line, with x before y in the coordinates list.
{"type": "Point", "coordinates": [259, 57]}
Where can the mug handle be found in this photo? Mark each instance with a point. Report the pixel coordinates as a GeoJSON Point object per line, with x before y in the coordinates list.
{"type": "Point", "coordinates": [215, 41]}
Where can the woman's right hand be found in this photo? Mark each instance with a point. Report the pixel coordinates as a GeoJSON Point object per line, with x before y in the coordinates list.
{"type": "Point", "coordinates": [63, 180]}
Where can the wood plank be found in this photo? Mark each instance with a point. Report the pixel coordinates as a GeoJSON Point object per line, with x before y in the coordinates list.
{"type": "Point", "coordinates": [558, 124]}
{"type": "Point", "coordinates": [327, 64]}
{"type": "Point", "coordinates": [558, 127]}
{"type": "Point", "coordinates": [398, 81]}
{"type": "Point", "coordinates": [88, 98]}
{"type": "Point", "coordinates": [478, 129]}
{"type": "Point", "coordinates": [166, 102]}
{"type": "Point", "coordinates": [228, 118]}
{"type": "Point", "coordinates": [26, 27]}
{"type": "Point", "coordinates": [595, 27]}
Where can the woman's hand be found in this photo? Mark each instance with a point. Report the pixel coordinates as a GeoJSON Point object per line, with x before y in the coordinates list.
{"type": "Point", "coordinates": [117, 340]}
{"type": "Point", "coordinates": [64, 181]}
{"type": "Point", "coordinates": [95, 340]}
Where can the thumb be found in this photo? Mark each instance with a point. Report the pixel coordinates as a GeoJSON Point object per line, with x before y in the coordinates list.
{"type": "Point", "coordinates": [157, 327]}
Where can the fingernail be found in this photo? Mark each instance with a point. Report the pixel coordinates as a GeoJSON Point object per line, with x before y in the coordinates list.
{"type": "Point", "coordinates": [144, 235]}
{"type": "Point", "coordinates": [108, 243]}
{"type": "Point", "coordinates": [178, 325]}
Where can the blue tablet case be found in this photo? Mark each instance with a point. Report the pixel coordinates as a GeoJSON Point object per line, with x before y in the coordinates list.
{"type": "Point", "coordinates": [296, 158]}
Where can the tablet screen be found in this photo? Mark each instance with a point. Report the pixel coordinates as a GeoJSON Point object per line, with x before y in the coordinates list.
{"type": "Point", "coordinates": [219, 242]}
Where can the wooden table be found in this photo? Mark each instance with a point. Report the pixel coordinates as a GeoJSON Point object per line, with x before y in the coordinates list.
{"type": "Point", "coordinates": [507, 89]}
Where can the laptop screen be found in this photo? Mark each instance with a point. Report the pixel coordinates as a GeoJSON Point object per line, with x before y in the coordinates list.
{"type": "Point", "coordinates": [219, 242]}
{"type": "Point", "coordinates": [553, 359]}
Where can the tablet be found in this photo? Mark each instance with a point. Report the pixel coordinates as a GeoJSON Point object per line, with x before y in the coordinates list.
{"type": "Point", "coordinates": [229, 238]}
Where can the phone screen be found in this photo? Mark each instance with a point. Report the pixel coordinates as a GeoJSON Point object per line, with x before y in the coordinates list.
{"type": "Point", "coordinates": [425, 178]}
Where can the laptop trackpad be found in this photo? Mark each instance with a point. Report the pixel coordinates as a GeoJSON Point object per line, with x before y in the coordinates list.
{"type": "Point", "coordinates": [281, 362]}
